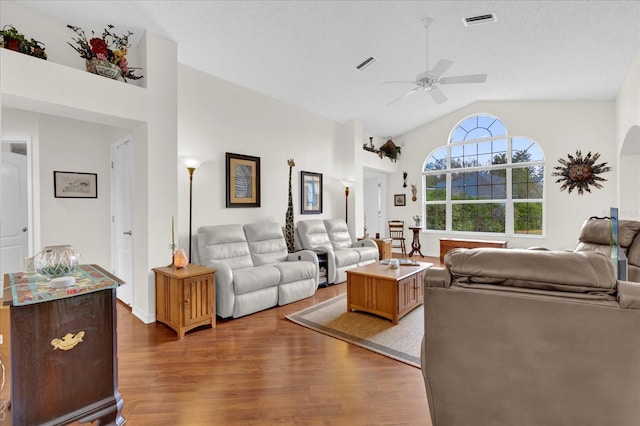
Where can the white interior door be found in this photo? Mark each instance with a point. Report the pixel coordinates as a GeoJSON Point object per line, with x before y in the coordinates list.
{"type": "Point", "coordinates": [374, 207]}
{"type": "Point", "coordinates": [14, 215]}
{"type": "Point", "coordinates": [122, 218]}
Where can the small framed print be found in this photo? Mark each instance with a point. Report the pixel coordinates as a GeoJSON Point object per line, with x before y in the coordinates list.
{"type": "Point", "coordinates": [310, 193]}
{"type": "Point", "coordinates": [243, 180]}
{"type": "Point", "coordinates": [75, 185]}
{"type": "Point", "coordinates": [399, 200]}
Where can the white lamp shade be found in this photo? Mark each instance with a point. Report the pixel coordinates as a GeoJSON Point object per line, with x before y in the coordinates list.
{"type": "Point", "coordinates": [346, 183]}
{"type": "Point", "coordinates": [191, 162]}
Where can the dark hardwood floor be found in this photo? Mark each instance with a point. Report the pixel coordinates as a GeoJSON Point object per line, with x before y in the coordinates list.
{"type": "Point", "coordinates": [261, 370]}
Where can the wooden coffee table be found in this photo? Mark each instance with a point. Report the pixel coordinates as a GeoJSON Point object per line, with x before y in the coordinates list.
{"type": "Point", "coordinates": [389, 293]}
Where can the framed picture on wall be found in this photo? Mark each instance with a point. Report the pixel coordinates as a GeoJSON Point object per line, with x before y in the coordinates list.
{"type": "Point", "coordinates": [399, 200]}
{"type": "Point", "coordinates": [75, 185]}
{"type": "Point", "coordinates": [243, 180]}
{"type": "Point", "coordinates": [310, 193]}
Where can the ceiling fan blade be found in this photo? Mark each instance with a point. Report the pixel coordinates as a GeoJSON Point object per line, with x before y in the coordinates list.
{"type": "Point", "coordinates": [437, 95]}
{"type": "Point", "coordinates": [404, 95]}
{"type": "Point", "coordinates": [473, 78]}
{"type": "Point", "coordinates": [399, 82]}
{"type": "Point", "coordinates": [441, 67]}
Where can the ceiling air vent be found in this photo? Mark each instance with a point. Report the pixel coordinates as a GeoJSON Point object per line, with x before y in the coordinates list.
{"type": "Point", "coordinates": [370, 60]}
{"type": "Point", "coordinates": [480, 19]}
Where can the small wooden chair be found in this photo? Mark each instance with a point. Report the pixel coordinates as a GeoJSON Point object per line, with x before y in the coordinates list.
{"type": "Point", "coordinates": [396, 233]}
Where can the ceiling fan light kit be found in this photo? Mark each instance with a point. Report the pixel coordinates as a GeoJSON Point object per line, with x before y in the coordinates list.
{"type": "Point", "coordinates": [430, 79]}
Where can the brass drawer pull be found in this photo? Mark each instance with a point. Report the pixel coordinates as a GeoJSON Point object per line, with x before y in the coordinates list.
{"type": "Point", "coordinates": [67, 342]}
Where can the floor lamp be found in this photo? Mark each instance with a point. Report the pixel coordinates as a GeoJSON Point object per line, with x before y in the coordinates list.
{"type": "Point", "coordinates": [347, 184]}
{"type": "Point", "coordinates": [192, 164]}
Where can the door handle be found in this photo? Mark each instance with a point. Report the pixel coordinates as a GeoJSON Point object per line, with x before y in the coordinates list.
{"type": "Point", "coordinates": [25, 229]}
{"type": "Point", "coordinates": [127, 233]}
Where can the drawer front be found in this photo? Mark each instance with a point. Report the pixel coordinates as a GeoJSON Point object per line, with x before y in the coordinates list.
{"type": "Point", "coordinates": [48, 381]}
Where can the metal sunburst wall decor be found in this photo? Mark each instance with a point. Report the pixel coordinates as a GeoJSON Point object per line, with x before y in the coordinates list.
{"type": "Point", "coordinates": [580, 172]}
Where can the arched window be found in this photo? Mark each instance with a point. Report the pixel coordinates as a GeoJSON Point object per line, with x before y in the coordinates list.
{"type": "Point", "coordinates": [484, 181]}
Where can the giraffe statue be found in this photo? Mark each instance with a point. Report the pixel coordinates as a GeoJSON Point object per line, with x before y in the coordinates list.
{"type": "Point", "coordinates": [288, 227]}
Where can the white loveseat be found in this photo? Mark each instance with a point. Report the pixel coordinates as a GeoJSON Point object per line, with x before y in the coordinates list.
{"type": "Point", "coordinates": [332, 236]}
{"type": "Point", "coordinates": [254, 269]}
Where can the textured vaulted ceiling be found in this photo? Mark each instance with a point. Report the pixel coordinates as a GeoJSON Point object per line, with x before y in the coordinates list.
{"type": "Point", "coordinates": [305, 52]}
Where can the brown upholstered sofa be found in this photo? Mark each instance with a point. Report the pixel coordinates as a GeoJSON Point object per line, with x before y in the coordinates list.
{"type": "Point", "coordinates": [528, 337]}
{"type": "Point", "coordinates": [595, 235]}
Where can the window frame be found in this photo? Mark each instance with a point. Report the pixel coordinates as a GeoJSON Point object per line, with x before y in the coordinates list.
{"type": "Point", "coordinates": [509, 202]}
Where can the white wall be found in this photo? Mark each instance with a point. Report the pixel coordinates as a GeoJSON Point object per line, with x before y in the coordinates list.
{"type": "Point", "coordinates": [560, 128]}
{"type": "Point", "coordinates": [76, 146]}
{"type": "Point", "coordinates": [215, 117]}
{"type": "Point", "coordinates": [628, 140]}
{"type": "Point", "coordinates": [148, 113]}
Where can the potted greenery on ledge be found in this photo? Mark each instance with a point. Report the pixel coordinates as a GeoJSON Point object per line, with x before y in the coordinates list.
{"type": "Point", "coordinates": [105, 55]}
{"type": "Point", "coordinates": [11, 39]}
{"type": "Point", "coordinates": [388, 149]}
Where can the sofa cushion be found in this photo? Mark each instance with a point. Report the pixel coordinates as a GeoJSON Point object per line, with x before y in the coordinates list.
{"type": "Point", "coordinates": [255, 278]}
{"type": "Point", "coordinates": [266, 243]}
{"type": "Point", "coordinates": [346, 257]}
{"type": "Point", "coordinates": [295, 271]}
{"type": "Point", "coordinates": [313, 234]}
{"type": "Point", "coordinates": [537, 269]}
{"type": "Point", "coordinates": [338, 233]}
{"type": "Point", "coordinates": [224, 242]}
{"type": "Point", "coordinates": [598, 231]}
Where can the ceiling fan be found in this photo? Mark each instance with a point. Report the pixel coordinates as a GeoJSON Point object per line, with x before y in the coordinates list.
{"type": "Point", "coordinates": [429, 80]}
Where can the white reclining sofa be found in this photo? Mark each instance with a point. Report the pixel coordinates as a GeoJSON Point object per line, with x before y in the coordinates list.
{"type": "Point", "coordinates": [254, 271]}
{"type": "Point", "coordinates": [332, 236]}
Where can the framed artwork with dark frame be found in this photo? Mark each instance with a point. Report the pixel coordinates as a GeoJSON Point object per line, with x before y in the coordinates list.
{"type": "Point", "coordinates": [310, 193]}
{"type": "Point", "coordinates": [75, 185]}
{"type": "Point", "coordinates": [399, 200]}
{"type": "Point", "coordinates": [242, 180]}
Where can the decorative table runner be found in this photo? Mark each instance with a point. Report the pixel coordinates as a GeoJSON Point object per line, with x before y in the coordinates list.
{"type": "Point", "coordinates": [33, 288]}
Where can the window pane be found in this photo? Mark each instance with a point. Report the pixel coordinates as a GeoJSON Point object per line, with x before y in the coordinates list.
{"type": "Point", "coordinates": [437, 160]}
{"type": "Point", "coordinates": [485, 159]}
{"type": "Point", "coordinates": [485, 148]}
{"type": "Point", "coordinates": [527, 218]}
{"type": "Point", "coordinates": [436, 187]}
{"type": "Point", "coordinates": [499, 151]}
{"type": "Point", "coordinates": [436, 217]}
{"type": "Point", "coordinates": [527, 182]}
{"type": "Point", "coordinates": [458, 135]}
{"type": "Point", "coordinates": [523, 150]}
{"type": "Point", "coordinates": [484, 217]}
{"type": "Point", "coordinates": [478, 133]}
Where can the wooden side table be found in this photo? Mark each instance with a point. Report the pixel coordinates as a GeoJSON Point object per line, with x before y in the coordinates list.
{"type": "Point", "coordinates": [384, 246]}
{"type": "Point", "coordinates": [185, 298]}
{"type": "Point", "coordinates": [415, 244]}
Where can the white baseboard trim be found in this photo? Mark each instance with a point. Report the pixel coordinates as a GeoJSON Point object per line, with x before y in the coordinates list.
{"type": "Point", "coordinates": [144, 316]}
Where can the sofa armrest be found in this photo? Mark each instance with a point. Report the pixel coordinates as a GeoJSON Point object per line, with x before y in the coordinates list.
{"type": "Point", "coordinates": [225, 296]}
{"type": "Point", "coordinates": [365, 243]}
{"type": "Point", "coordinates": [437, 276]}
{"type": "Point", "coordinates": [629, 294]}
{"type": "Point", "coordinates": [306, 255]}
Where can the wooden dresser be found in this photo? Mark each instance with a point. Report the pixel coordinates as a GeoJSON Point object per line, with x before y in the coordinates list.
{"type": "Point", "coordinates": [64, 364]}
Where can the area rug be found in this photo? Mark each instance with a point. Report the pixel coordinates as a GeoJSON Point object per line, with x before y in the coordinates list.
{"type": "Point", "coordinates": [400, 342]}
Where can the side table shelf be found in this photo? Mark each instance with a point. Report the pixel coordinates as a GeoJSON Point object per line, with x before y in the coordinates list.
{"type": "Point", "coordinates": [185, 298]}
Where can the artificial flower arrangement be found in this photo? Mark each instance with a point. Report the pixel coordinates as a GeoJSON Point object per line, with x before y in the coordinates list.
{"type": "Point", "coordinates": [110, 48]}
{"type": "Point", "coordinates": [11, 39]}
